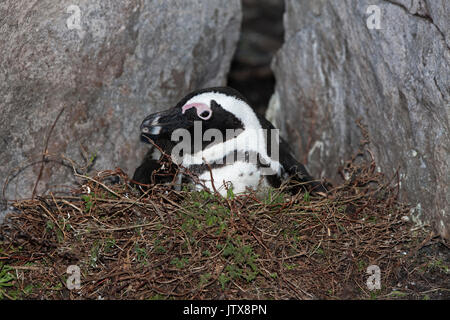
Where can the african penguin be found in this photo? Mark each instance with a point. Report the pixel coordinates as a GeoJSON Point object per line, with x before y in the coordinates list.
{"type": "Point", "coordinates": [214, 131]}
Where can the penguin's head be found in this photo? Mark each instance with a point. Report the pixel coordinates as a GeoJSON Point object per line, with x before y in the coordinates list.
{"type": "Point", "coordinates": [219, 108]}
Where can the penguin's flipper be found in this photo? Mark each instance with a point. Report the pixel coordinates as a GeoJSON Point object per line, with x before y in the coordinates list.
{"type": "Point", "coordinates": [297, 172]}
{"type": "Point", "coordinates": [143, 173]}
{"type": "Point", "coordinates": [293, 169]}
{"type": "Point", "coordinates": [152, 171]}
{"type": "Point", "coordinates": [303, 180]}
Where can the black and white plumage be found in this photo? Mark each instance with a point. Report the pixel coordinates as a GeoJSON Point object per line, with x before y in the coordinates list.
{"type": "Point", "coordinates": [222, 109]}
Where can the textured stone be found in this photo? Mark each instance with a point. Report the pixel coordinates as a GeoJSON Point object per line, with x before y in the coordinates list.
{"type": "Point", "coordinates": [333, 70]}
{"type": "Point", "coordinates": [108, 64]}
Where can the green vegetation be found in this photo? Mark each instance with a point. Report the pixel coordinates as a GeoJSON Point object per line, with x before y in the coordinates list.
{"type": "Point", "coordinates": [168, 244]}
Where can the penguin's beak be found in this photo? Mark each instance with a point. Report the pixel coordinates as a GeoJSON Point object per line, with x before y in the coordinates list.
{"type": "Point", "coordinates": [163, 124]}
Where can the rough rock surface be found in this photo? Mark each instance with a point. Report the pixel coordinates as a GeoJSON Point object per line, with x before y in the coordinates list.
{"type": "Point", "coordinates": [334, 69]}
{"type": "Point", "coordinates": [103, 65]}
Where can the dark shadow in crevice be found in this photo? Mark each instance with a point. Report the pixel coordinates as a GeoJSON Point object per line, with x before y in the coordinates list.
{"type": "Point", "coordinates": [262, 36]}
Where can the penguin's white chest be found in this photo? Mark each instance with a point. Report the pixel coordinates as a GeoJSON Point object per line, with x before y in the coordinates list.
{"type": "Point", "coordinates": [238, 175]}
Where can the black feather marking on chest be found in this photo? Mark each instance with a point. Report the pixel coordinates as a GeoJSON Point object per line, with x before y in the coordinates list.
{"type": "Point", "coordinates": [229, 159]}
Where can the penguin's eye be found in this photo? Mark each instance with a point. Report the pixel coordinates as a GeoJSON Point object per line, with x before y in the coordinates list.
{"type": "Point", "coordinates": [205, 115]}
{"type": "Point", "coordinates": [204, 112]}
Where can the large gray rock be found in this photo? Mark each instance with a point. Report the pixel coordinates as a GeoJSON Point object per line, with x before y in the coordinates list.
{"type": "Point", "coordinates": [334, 69]}
{"type": "Point", "coordinates": [107, 64]}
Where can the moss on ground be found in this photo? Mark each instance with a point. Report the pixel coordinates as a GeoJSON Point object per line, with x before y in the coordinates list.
{"type": "Point", "coordinates": [167, 244]}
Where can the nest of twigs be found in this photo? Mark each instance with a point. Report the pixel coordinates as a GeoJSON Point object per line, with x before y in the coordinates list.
{"type": "Point", "coordinates": [197, 245]}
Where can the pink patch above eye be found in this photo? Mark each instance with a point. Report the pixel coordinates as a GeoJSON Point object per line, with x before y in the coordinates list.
{"type": "Point", "coordinates": [200, 107]}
